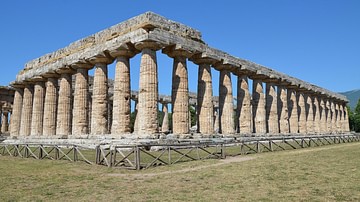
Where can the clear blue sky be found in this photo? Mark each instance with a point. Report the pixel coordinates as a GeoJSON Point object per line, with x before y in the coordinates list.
{"type": "Point", "coordinates": [314, 40]}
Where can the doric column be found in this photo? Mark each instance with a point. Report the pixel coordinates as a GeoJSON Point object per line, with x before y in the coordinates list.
{"type": "Point", "coordinates": [226, 104]}
{"type": "Point", "coordinates": [346, 120]}
{"type": "Point", "coordinates": [80, 119]}
{"type": "Point", "coordinates": [121, 110]}
{"type": "Point", "coordinates": [259, 114]}
{"type": "Point", "coordinates": [99, 112]}
{"type": "Point", "coordinates": [272, 118]}
{"type": "Point", "coordinates": [4, 122]}
{"type": "Point", "coordinates": [283, 110]}
{"type": "Point", "coordinates": [243, 105]}
{"type": "Point", "coordinates": [309, 115]}
{"type": "Point", "coordinates": [165, 122]}
{"type": "Point", "coordinates": [25, 127]}
{"type": "Point", "coordinates": [205, 106]}
{"type": "Point", "coordinates": [322, 114]}
{"type": "Point", "coordinates": [333, 117]}
{"type": "Point", "coordinates": [38, 108]}
{"type": "Point", "coordinates": [216, 120]}
{"type": "Point", "coordinates": [341, 123]}
{"type": "Point", "coordinates": [16, 112]}
{"type": "Point", "coordinates": [338, 118]}
{"type": "Point", "coordinates": [180, 90]}
{"type": "Point", "coordinates": [293, 111]}
{"type": "Point", "coordinates": [63, 124]}
{"type": "Point", "coordinates": [50, 106]}
{"type": "Point", "coordinates": [136, 121]}
{"type": "Point", "coordinates": [316, 115]}
{"type": "Point", "coordinates": [148, 90]}
{"type": "Point", "coordinates": [302, 112]}
{"type": "Point", "coordinates": [328, 117]}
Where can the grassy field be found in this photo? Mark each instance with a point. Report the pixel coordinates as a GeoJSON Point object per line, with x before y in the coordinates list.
{"type": "Point", "coordinates": [329, 173]}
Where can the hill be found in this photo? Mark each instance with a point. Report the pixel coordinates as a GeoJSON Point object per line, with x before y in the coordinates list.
{"type": "Point", "coordinates": [353, 97]}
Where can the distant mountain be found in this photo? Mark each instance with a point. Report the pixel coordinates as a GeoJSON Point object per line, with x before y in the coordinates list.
{"type": "Point", "coordinates": [353, 97]}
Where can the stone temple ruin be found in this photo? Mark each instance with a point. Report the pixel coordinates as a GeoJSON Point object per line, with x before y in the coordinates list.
{"type": "Point", "coordinates": [55, 104]}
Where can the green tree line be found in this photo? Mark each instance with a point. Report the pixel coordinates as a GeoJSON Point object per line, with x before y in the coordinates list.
{"type": "Point", "coordinates": [354, 117]}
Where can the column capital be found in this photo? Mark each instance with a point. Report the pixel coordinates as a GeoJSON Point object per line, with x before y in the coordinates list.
{"type": "Point", "coordinates": [65, 70]}
{"type": "Point", "coordinates": [82, 65]}
{"type": "Point", "coordinates": [203, 58]}
{"type": "Point", "coordinates": [126, 50]}
{"type": "Point", "coordinates": [177, 51]}
{"type": "Point", "coordinates": [101, 59]}
{"type": "Point", "coordinates": [153, 45]}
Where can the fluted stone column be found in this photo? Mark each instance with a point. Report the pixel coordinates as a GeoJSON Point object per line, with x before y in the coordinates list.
{"type": "Point", "coordinates": [333, 117]}
{"type": "Point", "coordinates": [16, 112]}
{"type": "Point", "coordinates": [243, 105]}
{"type": "Point", "coordinates": [99, 113]}
{"type": "Point", "coordinates": [259, 113]}
{"type": "Point", "coordinates": [283, 110]}
{"type": "Point", "coordinates": [205, 106]}
{"type": "Point", "coordinates": [122, 96]}
{"type": "Point", "coordinates": [316, 116]}
{"type": "Point", "coordinates": [25, 127]}
{"type": "Point", "coordinates": [302, 113]}
{"type": "Point", "coordinates": [293, 111]}
{"type": "Point", "coordinates": [328, 117]}
{"type": "Point", "coordinates": [38, 108]}
{"type": "Point", "coordinates": [346, 120]}
{"type": "Point", "coordinates": [50, 107]}
{"type": "Point", "coordinates": [322, 114]}
{"type": "Point", "coordinates": [338, 115]}
{"type": "Point", "coordinates": [310, 115]}
{"type": "Point", "coordinates": [226, 104]}
{"type": "Point", "coordinates": [4, 122]}
{"type": "Point", "coordinates": [180, 96]}
{"type": "Point", "coordinates": [80, 120]}
{"type": "Point", "coordinates": [148, 92]}
{"type": "Point", "coordinates": [136, 121]}
{"type": "Point", "coordinates": [216, 120]}
{"type": "Point", "coordinates": [165, 122]}
{"type": "Point", "coordinates": [341, 123]}
{"type": "Point", "coordinates": [272, 118]}
{"type": "Point", "coordinates": [63, 124]}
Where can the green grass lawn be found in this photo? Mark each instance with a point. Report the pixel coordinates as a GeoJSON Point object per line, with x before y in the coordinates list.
{"type": "Point", "coordinates": [329, 173]}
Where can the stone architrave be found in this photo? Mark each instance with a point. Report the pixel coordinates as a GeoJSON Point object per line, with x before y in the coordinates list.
{"type": "Point", "coordinates": [122, 97]}
{"type": "Point", "coordinates": [309, 115]}
{"type": "Point", "coordinates": [16, 113]}
{"type": "Point", "coordinates": [283, 110]}
{"type": "Point", "coordinates": [316, 115]}
{"type": "Point", "coordinates": [50, 106]}
{"type": "Point", "coordinates": [259, 112]}
{"type": "Point", "coordinates": [302, 113]}
{"type": "Point", "coordinates": [180, 96]}
{"type": "Point", "coordinates": [328, 117]}
{"type": "Point", "coordinates": [25, 127]}
{"type": "Point", "coordinates": [293, 111]}
{"type": "Point", "coordinates": [226, 104]}
{"type": "Point", "coordinates": [244, 115]}
{"type": "Point", "coordinates": [38, 108]}
{"type": "Point", "coordinates": [165, 122]}
{"type": "Point", "coordinates": [205, 107]}
{"type": "Point", "coordinates": [80, 119]}
{"type": "Point", "coordinates": [322, 113]}
{"type": "Point", "coordinates": [99, 108]}
{"type": "Point", "coordinates": [63, 124]}
{"type": "Point", "coordinates": [272, 118]}
{"type": "Point", "coordinates": [148, 92]}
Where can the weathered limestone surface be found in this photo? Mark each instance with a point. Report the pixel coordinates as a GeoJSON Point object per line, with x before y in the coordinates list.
{"type": "Point", "coordinates": [165, 122]}
{"type": "Point", "coordinates": [341, 124]}
{"type": "Point", "coordinates": [180, 96]}
{"type": "Point", "coordinates": [80, 120]}
{"type": "Point", "coordinates": [216, 121]}
{"type": "Point", "coordinates": [25, 126]}
{"type": "Point", "coordinates": [16, 113]}
{"type": "Point", "coordinates": [338, 119]}
{"type": "Point", "coordinates": [346, 121]}
{"type": "Point", "coordinates": [323, 124]}
{"type": "Point", "coordinates": [4, 122]}
{"type": "Point", "coordinates": [316, 116]}
{"type": "Point", "coordinates": [50, 107]}
{"type": "Point", "coordinates": [99, 113]}
{"type": "Point", "coordinates": [38, 108]}
{"type": "Point", "coordinates": [243, 105]}
{"type": "Point", "coordinates": [328, 116]}
{"type": "Point", "coordinates": [259, 112]}
{"type": "Point", "coordinates": [302, 113]}
{"type": "Point", "coordinates": [283, 110]}
{"type": "Point", "coordinates": [272, 117]}
{"type": "Point", "coordinates": [205, 106]}
{"type": "Point", "coordinates": [333, 117]}
{"type": "Point", "coordinates": [226, 104]}
{"type": "Point", "coordinates": [309, 115]}
{"type": "Point", "coordinates": [148, 94]}
{"type": "Point", "coordinates": [122, 97]}
{"type": "Point", "coordinates": [63, 125]}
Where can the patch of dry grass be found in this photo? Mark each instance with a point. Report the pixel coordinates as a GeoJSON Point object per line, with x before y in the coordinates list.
{"type": "Point", "coordinates": [329, 173]}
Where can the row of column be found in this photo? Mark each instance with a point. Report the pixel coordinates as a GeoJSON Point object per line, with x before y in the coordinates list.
{"type": "Point", "coordinates": [41, 109]}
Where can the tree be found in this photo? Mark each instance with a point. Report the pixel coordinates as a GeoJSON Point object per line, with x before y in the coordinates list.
{"type": "Point", "coordinates": [354, 118]}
